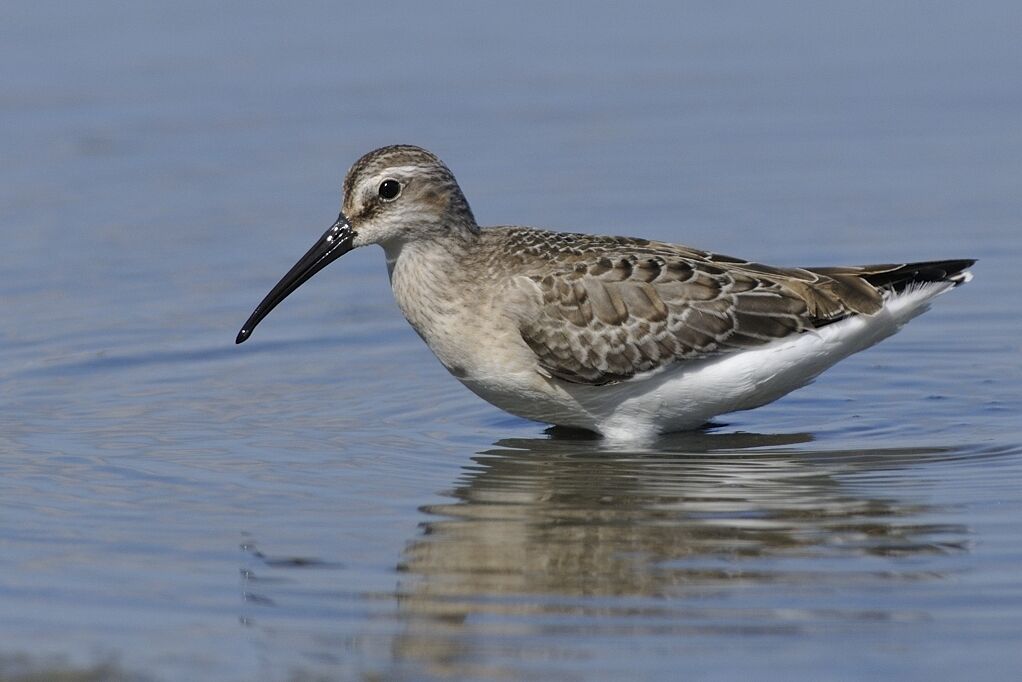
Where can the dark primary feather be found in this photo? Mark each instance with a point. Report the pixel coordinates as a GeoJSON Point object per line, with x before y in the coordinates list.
{"type": "Point", "coordinates": [614, 307]}
{"type": "Point", "coordinates": [898, 277]}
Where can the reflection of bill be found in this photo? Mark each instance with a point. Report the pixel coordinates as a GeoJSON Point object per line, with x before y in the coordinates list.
{"type": "Point", "coordinates": [707, 536]}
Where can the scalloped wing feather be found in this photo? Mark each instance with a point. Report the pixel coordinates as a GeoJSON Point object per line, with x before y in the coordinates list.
{"type": "Point", "coordinates": [608, 309]}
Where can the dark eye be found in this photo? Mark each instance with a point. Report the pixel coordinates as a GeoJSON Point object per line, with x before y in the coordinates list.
{"type": "Point", "coordinates": [389, 189]}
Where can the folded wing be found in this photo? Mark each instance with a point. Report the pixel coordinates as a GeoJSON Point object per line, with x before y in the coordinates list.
{"type": "Point", "coordinates": [612, 316]}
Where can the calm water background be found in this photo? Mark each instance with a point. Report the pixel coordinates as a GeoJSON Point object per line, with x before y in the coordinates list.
{"type": "Point", "coordinates": [325, 502]}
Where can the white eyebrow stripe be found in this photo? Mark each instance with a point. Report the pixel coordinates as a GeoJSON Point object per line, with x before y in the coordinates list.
{"type": "Point", "coordinates": [404, 170]}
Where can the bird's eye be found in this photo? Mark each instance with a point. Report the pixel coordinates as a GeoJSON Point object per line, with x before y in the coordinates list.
{"type": "Point", "coordinates": [389, 189]}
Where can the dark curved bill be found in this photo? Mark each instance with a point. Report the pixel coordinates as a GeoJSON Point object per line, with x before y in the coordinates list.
{"type": "Point", "coordinates": [334, 243]}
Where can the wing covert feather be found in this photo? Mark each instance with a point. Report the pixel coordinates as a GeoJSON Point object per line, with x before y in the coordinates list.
{"type": "Point", "coordinates": [608, 314]}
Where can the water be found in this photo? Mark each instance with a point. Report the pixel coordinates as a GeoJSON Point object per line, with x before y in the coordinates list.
{"type": "Point", "coordinates": [324, 502]}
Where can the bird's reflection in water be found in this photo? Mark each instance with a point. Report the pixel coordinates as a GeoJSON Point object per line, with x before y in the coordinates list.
{"type": "Point", "coordinates": [708, 533]}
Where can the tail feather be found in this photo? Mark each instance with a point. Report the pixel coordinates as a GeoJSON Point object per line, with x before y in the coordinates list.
{"type": "Point", "coordinates": [896, 278]}
{"type": "Point", "coordinates": [904, 276]}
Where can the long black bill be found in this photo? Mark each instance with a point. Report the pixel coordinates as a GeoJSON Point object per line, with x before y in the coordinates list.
{"type": "Point", "coordinates": [334, 243]}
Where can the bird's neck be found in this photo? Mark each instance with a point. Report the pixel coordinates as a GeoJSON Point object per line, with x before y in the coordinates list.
{"type": "Point", "coordinates": [423, 275]}
{"type": "Point", "coordinates": [430, 250]}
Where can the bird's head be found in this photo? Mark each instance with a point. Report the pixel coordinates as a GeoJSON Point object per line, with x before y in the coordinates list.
{"type": "Point", "coordinates": [392, 196]}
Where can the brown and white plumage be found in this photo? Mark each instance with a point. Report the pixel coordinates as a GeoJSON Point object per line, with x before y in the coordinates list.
{"type": "Point", "coordinates": [609, 308]}
{"type": "Point", "coordinates": [620, 335]}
